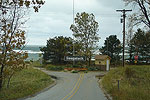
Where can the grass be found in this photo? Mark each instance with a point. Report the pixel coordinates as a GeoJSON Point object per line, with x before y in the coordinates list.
{"type": "Point", "coordinates": [49, 66]}
{"type": "Point", "coordinates": [134, 83]}
{"type": "Point", "coordinates": [36, 64]}
{"type": "Point", "coordinates": [24, 83]}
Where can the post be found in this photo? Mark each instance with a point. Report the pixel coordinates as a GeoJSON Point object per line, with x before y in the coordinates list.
{"type": "Point", "coordinates": [118, 85]}
{"type": "Point", "coordinates": [124, 22]}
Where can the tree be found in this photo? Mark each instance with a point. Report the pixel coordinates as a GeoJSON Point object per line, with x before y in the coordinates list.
{"type": "Point", "coordinates": [131, 51]}
{"type": "Point", "coordinates": [112, 47]}
{"type": "Point", "coordinates": [57, 48]}
{"type": "Point", "coordinates": [12, 35]}
{"type": "Point", "coordinates": [130, 27]}
{"type": "Point", "coordinates": [85, 31]}
{"type": "Point", "coordinates": [138, 41]}
{"type": "Point", "coordinates": [141, 44]}
{"type": "Point", "coordinates": [142, 14]}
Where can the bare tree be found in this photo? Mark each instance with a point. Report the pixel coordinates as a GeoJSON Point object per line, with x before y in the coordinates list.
{"type": "Point", "coordinates": [142, 11]}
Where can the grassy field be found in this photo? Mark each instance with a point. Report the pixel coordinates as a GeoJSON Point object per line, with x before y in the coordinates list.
{"type": "Point", "coordinates": [134, 83]}
{"type": "Point", "coordinates": [24, 83]}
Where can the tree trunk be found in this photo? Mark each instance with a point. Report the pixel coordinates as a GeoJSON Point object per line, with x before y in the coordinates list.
{"type": "Point", "coordinates": [90, 62]}
{"type": "Point", "coordinates": [1, 76]}
{"type": "Point", "coordinates": [1, 81]}
{"type": "Point", "coordinates": [90, 56]}
{"type": "Point", "coordinates": [8, 84]}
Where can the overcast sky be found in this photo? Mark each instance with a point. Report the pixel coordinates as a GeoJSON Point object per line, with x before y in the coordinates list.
{"type": "Point", "coordinates": [55, 17]}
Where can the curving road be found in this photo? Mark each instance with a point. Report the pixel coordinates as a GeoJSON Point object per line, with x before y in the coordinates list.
{"type": "Point", "coordinates": [79, 86]}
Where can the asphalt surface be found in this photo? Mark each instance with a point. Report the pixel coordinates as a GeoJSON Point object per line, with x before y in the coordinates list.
{"type": "Point", "coordinates": [73, 86]}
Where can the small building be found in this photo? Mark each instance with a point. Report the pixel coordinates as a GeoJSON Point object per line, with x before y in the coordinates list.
{"type": "Point", "coordinates": [103, 61]}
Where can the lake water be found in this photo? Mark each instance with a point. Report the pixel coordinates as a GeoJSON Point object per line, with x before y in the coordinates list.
{"type": "Point", "coordinates": [33, 52]}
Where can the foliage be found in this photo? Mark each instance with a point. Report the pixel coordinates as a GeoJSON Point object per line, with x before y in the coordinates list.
{"type": "Point", "coordinates": [141, 42]}
{"type": "Point", "coordinates": [26, 82]}
{"type": "Point", "coordinates": [92, 68]}
{"type": "Point", "coordinates": [85, 31]}
{"type": "Point", "coordinates": [130, 51]}
{"type": "Point", "coordinates": [54, 67]}
{"type": "Point", "coordinates": [7, 5]}
{"type": "Point", "coordinates": [134, 83]}
{"type": "Point", "coordinates": [12, 36]}
{"type": "Point", "coordinates": [140, 45]}
{"type": "Point", "coordinates": [112, 47]}
{"type": "Point", "coordinates": [57, 48]}
{"type": "Point", "coordinates": [74, 71]}
{"type": "Point", "coordinates": [141, 12]}
{"type": "Point", "coordinates": [76, 66]}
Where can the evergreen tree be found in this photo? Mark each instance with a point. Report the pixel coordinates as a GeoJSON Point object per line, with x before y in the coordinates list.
{"type": "Point", "coordinates": [112, 47]}
{"type": "Point", "coordinates": [59, 47]}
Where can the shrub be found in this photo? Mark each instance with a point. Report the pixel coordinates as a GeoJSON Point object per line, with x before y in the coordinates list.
{"type": "Point", "coordinates": [93, 68]}
{"type": "Point", "coordinates": [74, 71]}
{"type": "Point", "coordinates": [85, 71]}
{"type": "Point", "coordinates": [54, 68]}
{"type": "Point", "coordinates": [76, 66]}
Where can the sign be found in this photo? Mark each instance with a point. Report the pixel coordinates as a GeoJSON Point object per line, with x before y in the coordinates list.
{"type": "Point", "coordinates": [136, 57]}
{"type": "Point", "coordinates": [75, 58]}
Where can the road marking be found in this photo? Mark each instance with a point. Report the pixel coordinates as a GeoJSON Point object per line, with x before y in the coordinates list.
{"type": "Point", "coordinates": [76, 88]}
{"type": "Point", "coordinates": [73, 88]}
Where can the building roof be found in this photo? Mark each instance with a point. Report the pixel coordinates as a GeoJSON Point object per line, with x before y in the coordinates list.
{"type": "Point", "coordinates": [101, 57]}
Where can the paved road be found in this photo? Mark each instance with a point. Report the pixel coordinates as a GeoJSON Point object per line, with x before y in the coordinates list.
{"type": "Point", "coordinates": [79, 86]}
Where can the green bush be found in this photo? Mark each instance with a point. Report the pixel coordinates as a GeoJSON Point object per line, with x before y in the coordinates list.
{"type": "Point", "coordinates": [74, 71]}
{"type": "Point", "coordinates": [85, 71]}
{"type": "Point", "coordinates": [54, 68]}
{"type": "Point", "coordinates": [76, 66]}
{"type": "Point", "coordinates": [93, 68]}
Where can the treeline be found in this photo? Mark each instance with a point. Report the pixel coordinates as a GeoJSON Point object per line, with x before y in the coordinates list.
{"type": "Point", "coordinates": [139, 45]}
{"type": "Point", "coordinates": [59, 47]}
{"type": "Point", "coordinates": [85, 41]}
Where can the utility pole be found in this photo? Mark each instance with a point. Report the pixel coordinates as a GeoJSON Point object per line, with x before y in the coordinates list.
{"type": "Point", "coordinates": [73, 37]}
{"type": "Point", "coordinates": [107, 46]}
{"type": "Point", "coordinates": [124, 22]}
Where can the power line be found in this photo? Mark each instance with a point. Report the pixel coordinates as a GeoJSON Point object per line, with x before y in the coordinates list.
{"type": "Point", "coordinates": [124, 21]}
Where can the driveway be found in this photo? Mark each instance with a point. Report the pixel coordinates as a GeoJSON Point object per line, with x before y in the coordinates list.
{"type": "Point", "coordinates": [73, 86]}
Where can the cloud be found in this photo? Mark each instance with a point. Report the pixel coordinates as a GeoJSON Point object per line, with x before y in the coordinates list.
{"type": "Point", "coordinates": [56, 16]}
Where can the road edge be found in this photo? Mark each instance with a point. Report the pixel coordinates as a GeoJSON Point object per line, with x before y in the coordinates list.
{"type": "Point", "coordinates": [54, 78]}
{"type": "Point", "coordinates": [104, 91]}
